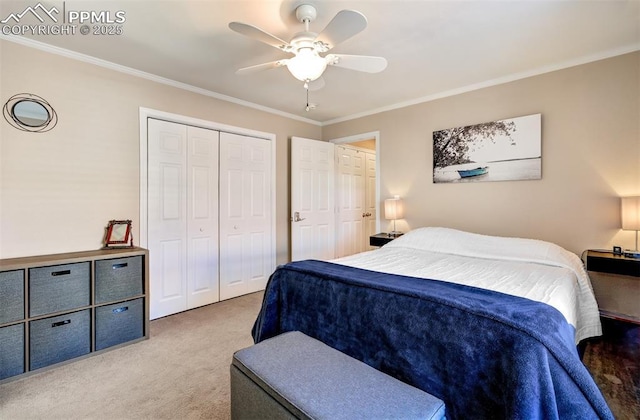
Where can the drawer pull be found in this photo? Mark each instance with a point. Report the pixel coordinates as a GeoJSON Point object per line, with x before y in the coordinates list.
{"type": "Point", "coordinates": [118, 310]}
{"type": "Point", "coordinates": [61, 273]}
{"type": "Point", "coordinates": [57, 324]}
{"type": "Point", "coordinates": [121, 265]}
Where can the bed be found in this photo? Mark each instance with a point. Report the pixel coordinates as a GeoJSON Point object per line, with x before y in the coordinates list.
{"type": "Point", "coordinates": [488, 324]}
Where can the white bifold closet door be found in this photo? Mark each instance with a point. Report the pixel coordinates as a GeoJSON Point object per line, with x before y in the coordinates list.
{"type": "Point", "coordinates": [350, 191]}
{"type": "Point", "coordinates": [182, 217]}
{"type": "Point", "coordinates": [246, 255]}
{"type": "Point", "coordinates": [355, 199]}
{"type": "Point", "coordinates": [370, 199]}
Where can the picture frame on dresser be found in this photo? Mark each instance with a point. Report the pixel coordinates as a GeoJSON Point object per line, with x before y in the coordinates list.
{"type": "Point", "coordinates": [118, 234]}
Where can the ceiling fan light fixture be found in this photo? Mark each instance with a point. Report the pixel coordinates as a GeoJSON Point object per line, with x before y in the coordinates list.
{"type": "Point", "coordinates": [307, 65]}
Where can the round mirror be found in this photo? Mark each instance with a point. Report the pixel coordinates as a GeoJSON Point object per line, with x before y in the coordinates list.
{"type": "Point", "coordinates": [30, 113]}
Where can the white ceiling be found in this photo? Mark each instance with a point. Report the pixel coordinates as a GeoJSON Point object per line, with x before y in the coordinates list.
{"type": "Point", "coordinates": [434, 48]}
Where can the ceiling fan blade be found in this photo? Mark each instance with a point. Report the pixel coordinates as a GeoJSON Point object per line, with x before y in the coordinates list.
{"type": "Point", "coordinates": [260, 67]}
{"type": "Point", "coordinates": [364, 63]}
{"type": "Point", "coordinates": [316, 84]}
{"type": "Point", "coordinates": [343, 26]}
{"type": "Point", "coordinates": [258, 34]}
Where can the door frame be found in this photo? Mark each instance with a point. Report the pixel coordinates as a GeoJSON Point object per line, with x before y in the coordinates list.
{"type": "Point", "coordinates": [146, 113]}
{"type": "Point", "coordinates": [367, 136]}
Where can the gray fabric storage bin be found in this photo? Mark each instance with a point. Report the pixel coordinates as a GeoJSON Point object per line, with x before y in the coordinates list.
{"type": "Point", "coordinates": [59, 338]}
{"type": "Point", "coordinates": [11, 296]}
{"type": "Point", "coordinates": [295, 376]}
{"type": "Point", "coordinates": [119, 323]}
{"type": "Point", "coordinates": [11, 351]}
{"type": "Point", "coordinates": [118, 279]}
{"type": "Point", "coordinates": [59, 288]}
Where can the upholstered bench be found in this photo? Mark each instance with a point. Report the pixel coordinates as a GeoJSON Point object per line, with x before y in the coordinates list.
{"type": "Point", "coordinates": [295, 376]}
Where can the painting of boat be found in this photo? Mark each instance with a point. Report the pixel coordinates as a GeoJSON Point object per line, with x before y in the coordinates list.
{"type": "Point", "coordinates": [502, 150]}
{"type": "Point", "coordinates": [467, 173]}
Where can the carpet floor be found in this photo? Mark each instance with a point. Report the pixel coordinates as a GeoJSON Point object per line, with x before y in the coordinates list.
{"type": "Point", "coordinates": [182, 372]}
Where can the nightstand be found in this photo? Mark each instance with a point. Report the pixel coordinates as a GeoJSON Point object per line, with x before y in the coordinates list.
{"type": "Point", "coordinates": [380, 239]}
{"type": "Point", "coordinates": [616, 284]}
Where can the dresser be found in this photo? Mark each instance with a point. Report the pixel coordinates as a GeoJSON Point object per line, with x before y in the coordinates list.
{"type": "Point", "coordinates": [57, 308]}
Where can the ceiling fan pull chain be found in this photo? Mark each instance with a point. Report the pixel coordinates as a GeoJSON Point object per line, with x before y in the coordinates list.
{"type": "Point", "coordinates": [309, 107]}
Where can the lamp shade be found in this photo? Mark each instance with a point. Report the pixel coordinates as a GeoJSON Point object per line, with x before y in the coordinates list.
{"type": "Point", "coordinates": [393, 209]}
{"type": "Point", "coordinates": [306, 65]}
{"type": "Point", "coordinates": [630, 207]}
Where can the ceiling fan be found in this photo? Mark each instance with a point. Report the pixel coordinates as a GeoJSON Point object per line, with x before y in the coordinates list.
{"type": "Point", "coordinates": [307, 65]}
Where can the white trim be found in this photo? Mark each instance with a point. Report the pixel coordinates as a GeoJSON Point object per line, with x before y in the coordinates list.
{"type": "Point", "coordinates": [361, 137]}
{"type": "Point", "coordinates": [149, 76]}
{"type": "Point", "coordinates": [146, 113]}
{"type": "Point", "coordinates": [493, 82]}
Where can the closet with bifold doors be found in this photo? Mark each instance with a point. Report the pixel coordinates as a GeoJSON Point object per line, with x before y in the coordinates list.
{"type": "Point", "coordinates": [209, 218]}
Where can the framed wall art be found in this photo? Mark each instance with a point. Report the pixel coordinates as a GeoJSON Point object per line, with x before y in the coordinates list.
{"type": "Point", "coordinates": [503, 150]}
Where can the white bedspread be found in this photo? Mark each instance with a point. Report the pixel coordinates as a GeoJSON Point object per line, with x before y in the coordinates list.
{"type": "Point", "coordinates": [528, 268]}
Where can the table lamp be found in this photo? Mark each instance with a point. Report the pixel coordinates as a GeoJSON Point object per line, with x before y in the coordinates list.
{"type": "Point", "coordinates": [393, 210]}
{"type": "Point", "coordinates": [630, 212]}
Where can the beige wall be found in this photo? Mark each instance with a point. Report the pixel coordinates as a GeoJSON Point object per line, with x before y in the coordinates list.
{"type": "Point", "coordinates": [58, 189]}
{"type": "Point", "coordinates": [590, 157]}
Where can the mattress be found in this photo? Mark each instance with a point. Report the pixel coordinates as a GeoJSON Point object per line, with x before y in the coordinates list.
{"type": "Point", "coordinates": [527, 268]}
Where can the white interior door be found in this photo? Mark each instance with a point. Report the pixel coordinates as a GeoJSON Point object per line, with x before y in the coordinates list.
{"type": "Point", "coordinates": [246, 254]}
{"type": "Point", "coordinates": [312, 199]}
{"type": "Point", "coordinates": [350, 189]}
{"type": "Point", "coordinates": [370, 198]}
{"type": "Point", "coordinates": [182, 217]}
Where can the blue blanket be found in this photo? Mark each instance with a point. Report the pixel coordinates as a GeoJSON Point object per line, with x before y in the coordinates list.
{"type": "Point", "coordinates": [486, 354]}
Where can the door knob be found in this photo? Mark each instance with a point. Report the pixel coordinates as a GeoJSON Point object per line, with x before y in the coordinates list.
{"type": "Point", "coordinates": [297, 218]}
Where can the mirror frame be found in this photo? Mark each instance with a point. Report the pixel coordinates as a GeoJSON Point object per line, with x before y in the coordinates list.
{"type": "Point", "coordinates": [21, 118]}
{"type": "Point", "coordinates": [10, 115]}
{"type": "Point", "coordinates": [111, 241]}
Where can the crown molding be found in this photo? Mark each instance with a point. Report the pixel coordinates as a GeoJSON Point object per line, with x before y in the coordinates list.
{"type": "Point", "coordinates": [148, 76]}
{"type": "Point", "coordinates": [494, 82]}
{"type": "Point", "coordinates": [439, 95]}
